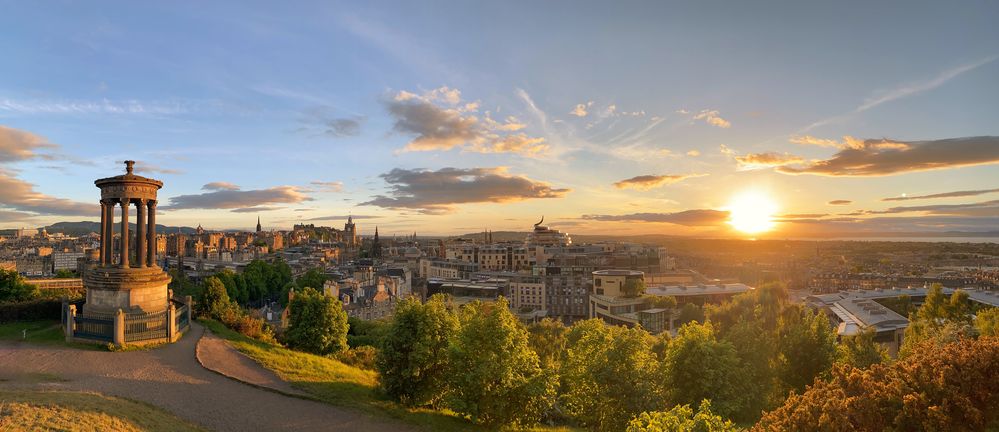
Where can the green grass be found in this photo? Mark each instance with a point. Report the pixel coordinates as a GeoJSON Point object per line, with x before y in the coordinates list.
{"type": "Point", "coordinates": [333, 382]}
{"type": "Point", "coordinates": [76, 411]}
{"type": "Point", "coordinates": [40, 332]}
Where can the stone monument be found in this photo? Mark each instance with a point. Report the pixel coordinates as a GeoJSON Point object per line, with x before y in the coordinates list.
{"type": "Point", "coordinates": [127, 276]}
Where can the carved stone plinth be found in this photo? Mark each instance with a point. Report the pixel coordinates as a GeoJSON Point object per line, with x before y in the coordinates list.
{"type": "Point", "coordinates": [130, 289]}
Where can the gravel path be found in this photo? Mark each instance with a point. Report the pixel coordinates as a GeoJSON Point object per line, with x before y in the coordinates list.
{"type": "Point", "coordinates": [171, 378]}
{"type": "Point", "coordinates": [215, 353]}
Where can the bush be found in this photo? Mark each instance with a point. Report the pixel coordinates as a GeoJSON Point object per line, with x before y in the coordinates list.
{"type": "Point", "coordinates": [35, 310]}
{"type": "Point", "coordinates": [252, 327]}
{"type": "Point", "coordinates": [361, 357]}
{"type": "Point", "coordinates": [682, 418]}
{"type": "Point", "coordinates": [13, 288]}
{"type": "Point", "coordinates": [214, 302]}
{"type": "Point", "coordinates": [316, 323]}
{"type": "Point", "coordinates": [413, 359]}
{"type": "Point", "coordinates": [950, 387]}
{"type": "Point", "coordinates": [494, 377]}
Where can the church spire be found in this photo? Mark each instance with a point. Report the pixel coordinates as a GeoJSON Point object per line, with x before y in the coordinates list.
{"type": "Point", "coordinates": [258, 224]}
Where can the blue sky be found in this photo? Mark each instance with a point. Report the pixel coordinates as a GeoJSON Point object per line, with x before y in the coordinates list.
{"type": "Point", "coordinates": [450, 117]}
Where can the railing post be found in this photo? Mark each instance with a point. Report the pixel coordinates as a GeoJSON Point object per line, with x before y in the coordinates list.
{"type": "Point", "coordinates": [119, 328]}
{"type": "Point", "coordinates": [70, 322]}
{"type": "Point", "coordinates": [169, 294]}
{"type": "Point", "coordinates": [171, 323]}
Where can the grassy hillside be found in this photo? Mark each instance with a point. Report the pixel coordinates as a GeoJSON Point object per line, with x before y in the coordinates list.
{"type": "Point", "coordinates": [73, 411]}
{"type": "Point", "coordinates": [336, 383]}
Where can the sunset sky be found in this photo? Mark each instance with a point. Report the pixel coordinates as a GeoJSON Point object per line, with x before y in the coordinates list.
{"type": "Point", "coordinates": [446, 118]}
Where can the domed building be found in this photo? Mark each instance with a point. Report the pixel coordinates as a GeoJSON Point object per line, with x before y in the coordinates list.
{"type": "Point", "coordinates": [545, 236]}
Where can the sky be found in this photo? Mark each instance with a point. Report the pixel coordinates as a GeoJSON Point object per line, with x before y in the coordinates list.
{"type": "Point", "coordinates": [454, 117]}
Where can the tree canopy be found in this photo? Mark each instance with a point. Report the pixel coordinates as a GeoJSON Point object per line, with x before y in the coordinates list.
{"type": "Point", "coordinates": [494, 374]}
{"type": "Point", "coordinates": [13, 287]}
{"type": "Point", "coordinates": [316, 323]}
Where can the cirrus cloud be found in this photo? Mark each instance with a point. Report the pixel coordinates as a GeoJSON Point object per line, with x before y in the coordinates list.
{"type": "Point", "coordinates": [840, 202]}
{"type": "Point", "coordinates": [954, 194]}
{"type": "Point", "coordinates": [437, 192]}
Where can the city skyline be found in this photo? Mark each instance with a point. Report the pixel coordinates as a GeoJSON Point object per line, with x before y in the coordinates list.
{"type": "Point", "coordinates": [689, 119]}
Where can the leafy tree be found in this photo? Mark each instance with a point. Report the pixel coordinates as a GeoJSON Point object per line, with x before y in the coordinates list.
{"type": "Point", "coordinates": [682, 418]}
{"type": "Point", "coordinates": [950, 387]}
{"type": "Point", "coordinates": [413, 356]}
{"type": "Point", "coordinates": [257, 275]}
{"type": "Point", "coordinates": [806, 347]}
{"type": "Point", "coordinates": [609, 375]}
{"type": "Point", "coordinates": [987, 322]}
{"type": "Point", "coordinates": [366, 332]}
{"type": "Point", "coordinates": [182, 286]}
{"type": "Point", "coordinates": [938, 319]}
{"type": "Point", "coordinates": [690, 313]}
{"type": "Point", "coordinates": [901, 305]}
{"type": "Point", "coordinates": [13, 287]}
{"type": "Point", "coordinates": [312, 278]}
{"type": "Point", "coordinates": [232, 285]}
{"type": "Point", "coordinates": [861, 351]}
{"type": "Point", "coordinates": [634, 287]}
{"type": "Point", "coordinates": [548, 338]}
{"type": "Point", "coordinates": [664, 302]}
{"type": "Point", "coordinates": [494, 375]}
{"type": "Point", "coordinates": [65, 274]}
{"type": "Point", "coordinates": [214, 301]}
{"type": "Point", "coordinates": [697, 366]}
{"type": "Point", "coordinates": [756, 349]}
{"type": "Point", "coordinates": [281, 276]}
{"type": "Point", "coordinates": [316, 323]}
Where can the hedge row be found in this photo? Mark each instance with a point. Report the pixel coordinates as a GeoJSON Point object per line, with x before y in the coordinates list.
{"type": "Point", "coordinates": [35, 310]}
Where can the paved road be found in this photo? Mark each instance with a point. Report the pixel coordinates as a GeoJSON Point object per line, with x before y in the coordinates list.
{"type": "Point", "coordinates": [171, 378]}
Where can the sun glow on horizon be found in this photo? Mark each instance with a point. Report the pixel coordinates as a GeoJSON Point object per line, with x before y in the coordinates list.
{"type": "Point", "coordinates": [752, 212]}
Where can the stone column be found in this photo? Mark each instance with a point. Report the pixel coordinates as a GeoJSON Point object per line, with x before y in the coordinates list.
{"type": "Point", "coordinates": [104, 221]}
{"type": "Point", "coordinates": [171, 322]}
{"type": "Point", "coordinates": [151, 231]}
{"type": "Point", "coordinates": [107, 236]}
{"type": "Point", "coordinates": [70, 322]}
{"type": "Point", "coordinates": [123, 262]}
{"type": "Point", "coordinates": [140, 232]}
{"type": "Point", "coordinates": [119, 328]}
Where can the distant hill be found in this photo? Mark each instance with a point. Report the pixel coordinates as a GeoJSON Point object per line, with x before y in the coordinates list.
{"type": "Point", "coordinates": [86, 227]}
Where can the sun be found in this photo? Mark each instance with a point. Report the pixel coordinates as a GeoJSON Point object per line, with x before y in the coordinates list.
{"type": "Point", "coordinates": [752, 212]}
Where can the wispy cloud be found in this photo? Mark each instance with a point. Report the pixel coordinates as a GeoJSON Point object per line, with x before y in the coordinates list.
{"type": "Point", "coordinates": [905, 90]}
{"type": "Point", "coordinates": [105, 106]}
{"type": "Point", "coordinates": [700, 217]}
{"type": "Point", "coordinates": [955, 194]}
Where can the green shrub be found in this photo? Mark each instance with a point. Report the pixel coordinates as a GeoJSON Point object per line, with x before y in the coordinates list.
{"type": "Point", "coordinates": [361, 357]}
{"type": "Point", "coordinates": [35, 310]}
{"type": "Point", "coordinates": [316, 323]}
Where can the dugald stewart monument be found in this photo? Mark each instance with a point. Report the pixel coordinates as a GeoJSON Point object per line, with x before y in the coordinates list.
{"type": "Point", "coordinates": [127, 299]}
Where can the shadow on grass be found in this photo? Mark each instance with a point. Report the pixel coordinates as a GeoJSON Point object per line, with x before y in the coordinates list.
{"type": "Point", "coordinates": [60, 410]}
{"type": "Point", "coordinates": [330, 381]}
{"type": "Point", "coordinates": [41, 333]}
